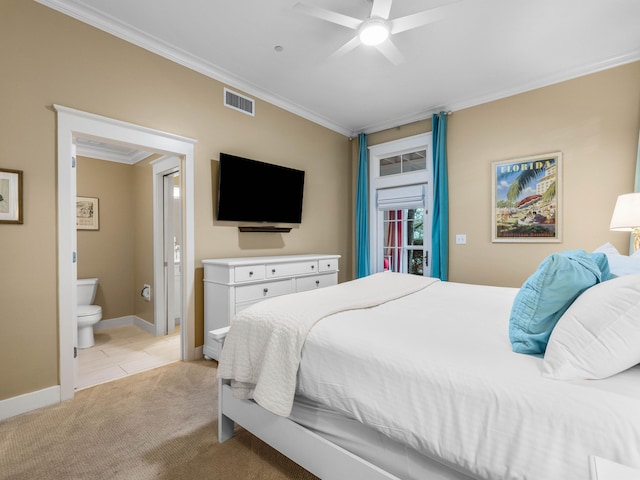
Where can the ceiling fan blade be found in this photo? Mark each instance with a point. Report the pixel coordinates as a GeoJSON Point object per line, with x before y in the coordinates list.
{"type": "Point", "coordinates": [381, 9]}
{"type": "Point", "coordinates": [419, 19]}
{"type": "Point", "coordinates": [328, 15]}
{"type": "Point", "coordinates": [347, 47]}
{"type": "Point", "coordinates": [389, 50]}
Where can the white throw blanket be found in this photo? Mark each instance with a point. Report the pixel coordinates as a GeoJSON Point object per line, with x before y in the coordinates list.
{"type": "Point", "coordinates": [261, 353]}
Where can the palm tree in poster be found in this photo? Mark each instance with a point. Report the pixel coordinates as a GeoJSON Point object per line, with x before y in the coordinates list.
{"type": "Point", "coordinates": [524, 179]}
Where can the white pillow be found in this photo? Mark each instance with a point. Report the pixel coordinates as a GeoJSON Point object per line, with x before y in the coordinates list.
{"type": "Point", "coordinates": [620, 265]}
{"type": "Point", "coordinates": [607, 249]}
{"type": "Point", "coordinates": [599, 334]}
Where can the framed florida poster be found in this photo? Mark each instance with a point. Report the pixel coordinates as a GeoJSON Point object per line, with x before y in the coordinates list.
{"type": "Point", "coordinates": [526, 195]}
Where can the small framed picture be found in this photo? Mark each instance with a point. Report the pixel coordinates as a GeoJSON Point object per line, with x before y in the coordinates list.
{"type": "Point", "coordinates": [87, 213]}
{"type": "Point", "coordinates": [10, 196]}
{"type": "Point", "coordinates": [526, 199]}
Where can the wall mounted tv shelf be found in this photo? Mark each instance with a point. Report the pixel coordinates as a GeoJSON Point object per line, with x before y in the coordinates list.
{"type": "Point", "coordinates": [271, 229]}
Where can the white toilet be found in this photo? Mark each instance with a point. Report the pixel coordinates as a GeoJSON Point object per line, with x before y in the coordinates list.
{"type": "Point", "coordinates": [88, 314]}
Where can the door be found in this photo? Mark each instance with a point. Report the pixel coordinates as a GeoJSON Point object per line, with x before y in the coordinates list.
{"type": "Point", "coordinates": [172, 241]}
{"type": "Point", "coordinates": [168, 252]}
{"type": "Point", "coordinates": [400, 194]}
{"type": "Point", "coordinates": [403, 248]}
{"type": "Point", "coordinates": [74, 268]}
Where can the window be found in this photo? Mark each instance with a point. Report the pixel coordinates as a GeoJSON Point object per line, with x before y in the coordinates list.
{"type": "Point", "coordinates": [400, 198]}
{"type": "Point", "coordinates": [398, 164]}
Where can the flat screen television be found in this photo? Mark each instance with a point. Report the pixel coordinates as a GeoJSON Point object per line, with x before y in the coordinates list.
{"type": "Point", "coordinates": [253, 191]}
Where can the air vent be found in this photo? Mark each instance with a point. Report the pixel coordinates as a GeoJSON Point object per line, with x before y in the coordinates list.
{"type": "Point", "coordinates": [239, 102]}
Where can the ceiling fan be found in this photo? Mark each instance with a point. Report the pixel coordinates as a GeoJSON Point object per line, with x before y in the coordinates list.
{"type": "Point", "coordinates": [376, 29]}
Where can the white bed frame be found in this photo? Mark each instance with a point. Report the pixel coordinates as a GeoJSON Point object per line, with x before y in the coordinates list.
{"type": "Point", "coordinates": [309, 450]}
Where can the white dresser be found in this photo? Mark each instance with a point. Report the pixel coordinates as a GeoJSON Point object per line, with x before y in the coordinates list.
{"type": "Point", "coordinates": [232, 284]}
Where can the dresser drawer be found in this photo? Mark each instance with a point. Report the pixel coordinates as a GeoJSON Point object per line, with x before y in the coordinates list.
{"type": "Point", "coordinates": [247, 273]}
{"type": "Point", "coordinates": [290, 269]}
{"type": "Point", "coordinates": [328, 265]}
{"type": "Point", "coordinates": [316, 281]}
{"type": "Point", "coordinates": [248, 293]}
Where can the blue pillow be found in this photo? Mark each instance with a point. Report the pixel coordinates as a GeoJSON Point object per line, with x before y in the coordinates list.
{"type": "Point", "coordinates": [547, 294]}
{"type": "Point", "coordinates": [602, 261]}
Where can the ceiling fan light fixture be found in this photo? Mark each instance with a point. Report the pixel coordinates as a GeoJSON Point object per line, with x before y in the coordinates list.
{"type": "Point", "coordinates": [374, 32]}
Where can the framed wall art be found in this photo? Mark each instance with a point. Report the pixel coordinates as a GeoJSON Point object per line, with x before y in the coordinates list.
{"type": "Point", "coordinates": [526, 199]}
{"type": "Point", "coordinates": [10, 196]}
{"type": "Point", "coordinates": [87, 213]}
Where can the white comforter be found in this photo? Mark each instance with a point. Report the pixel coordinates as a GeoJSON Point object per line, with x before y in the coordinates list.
{"type": "Point", "coordinates": [435, 370]}
{"type": "Point", "coordinates": [261, 353]}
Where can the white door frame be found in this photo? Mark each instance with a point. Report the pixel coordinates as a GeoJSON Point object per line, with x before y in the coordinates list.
{"type": "Point", "coordinates": [71, 125]}
{"type": "Point", "coordinates": [161, 167]}
{"type": "Point", "coordinates": [376, 182]}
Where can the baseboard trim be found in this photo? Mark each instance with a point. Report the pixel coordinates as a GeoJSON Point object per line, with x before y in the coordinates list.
{"type": "Point", "coordinates": [143, 324]}
{"type": "Point", "coordinates": [110, 323]}
{"type": "Point", "coordinates": [29, 401]}
{"type": "Point", "coordinates": [199, 352]}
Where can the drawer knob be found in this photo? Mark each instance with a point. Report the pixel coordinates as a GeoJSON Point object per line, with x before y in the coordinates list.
{"type": "Point", "coordinates": [265, 291]}
{"type": "Point", "coordinates": [250, 274]}
{"type": "Point", "coordinates": [328, 265]}
{"type": "Point", "coordinates": [273, 270]}
{"type": "Point", "coordinates": [312, 267]}
{"type": "Point", "coordinates": [317, 283]}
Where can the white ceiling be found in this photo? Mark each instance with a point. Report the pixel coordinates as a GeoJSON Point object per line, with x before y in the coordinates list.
{"type": "Point", "coordinates": [481, 51]}
{"type": "Point", "coordinates": [105, 150]}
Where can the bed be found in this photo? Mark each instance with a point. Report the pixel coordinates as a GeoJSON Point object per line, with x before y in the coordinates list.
{"type": "Point", "coordinates": [401, 377]}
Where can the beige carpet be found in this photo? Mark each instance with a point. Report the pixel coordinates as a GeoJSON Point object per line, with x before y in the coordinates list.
{"type": "Point", "coordinates": [160, 425]}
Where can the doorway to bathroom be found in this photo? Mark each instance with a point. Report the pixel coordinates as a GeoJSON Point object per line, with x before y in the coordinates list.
{"type": "Point", "coordinates": [133, 335]}
{"type": "Point", "coordinates": [72, 125]}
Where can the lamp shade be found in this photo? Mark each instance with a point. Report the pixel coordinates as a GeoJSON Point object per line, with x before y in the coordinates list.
{"type": "Point", "coordinates": [626, 214]}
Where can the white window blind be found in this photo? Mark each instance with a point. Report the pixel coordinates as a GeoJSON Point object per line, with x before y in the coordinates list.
{"type": "Point", "coordinates": [400, 198]}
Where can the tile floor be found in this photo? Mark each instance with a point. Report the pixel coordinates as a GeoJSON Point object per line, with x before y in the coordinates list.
{"type": "Point", "coordinates": [124, 351]}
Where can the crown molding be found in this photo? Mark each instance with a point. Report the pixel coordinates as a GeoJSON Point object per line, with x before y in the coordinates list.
{"type": "Point", "coordinates": [124, 31]}
{"type": "Point", "coordinates": [153, 44]}
{"type": "Point", "coordinates": [558, 77]}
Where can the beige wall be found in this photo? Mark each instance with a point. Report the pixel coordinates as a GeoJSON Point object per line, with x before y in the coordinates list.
{"type": "Point", "coordinates": [107, 253]}
{"type": "Point", "coordinates": [49, 58]}
{"type": "Point", "coordinates": [143, 241]}
{"type": "Point", "coordinates": [120, 253]}
{"type": "Point", "coordinates": [593, 120]}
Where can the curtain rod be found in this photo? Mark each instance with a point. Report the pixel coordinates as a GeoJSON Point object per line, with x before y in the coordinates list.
{"type": "Point", "coordinates": [447, 113]}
